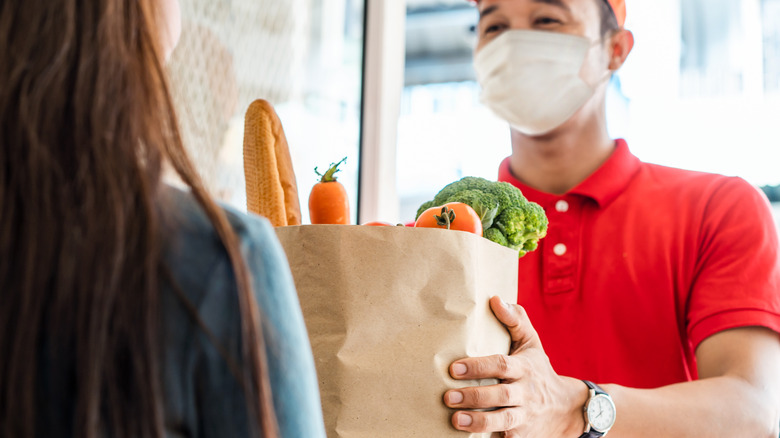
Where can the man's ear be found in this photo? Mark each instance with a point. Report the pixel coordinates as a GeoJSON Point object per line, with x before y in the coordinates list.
{"type": "Point", "coordinates": [621, 44]}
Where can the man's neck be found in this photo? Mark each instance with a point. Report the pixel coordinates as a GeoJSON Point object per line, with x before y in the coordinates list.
{"type": "Point", "coordinates": [558, 162]}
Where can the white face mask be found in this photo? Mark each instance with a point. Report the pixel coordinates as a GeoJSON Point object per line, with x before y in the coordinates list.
{"type": "Point", "coordinates": [532, 79]}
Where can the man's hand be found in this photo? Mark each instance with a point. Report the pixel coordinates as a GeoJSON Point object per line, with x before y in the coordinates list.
{"type": "Point", "coordinates": [738, 394]}
{"type": "Point", "coordinates": [531, 399]}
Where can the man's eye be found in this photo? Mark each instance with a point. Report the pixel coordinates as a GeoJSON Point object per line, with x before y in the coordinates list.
{"type": "Point", "coordinates": [493, 29]}
{"type": "Point", "coordinates": [546, 21]}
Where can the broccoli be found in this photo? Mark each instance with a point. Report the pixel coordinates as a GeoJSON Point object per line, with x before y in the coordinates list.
{"type": "Point", "coordinates": [425, 206]}
{"type": "Point", "coordinates": [523, 225]}
{"type": "Point", "coordinates": [493, 234]}
{"type": "Point", "coordinates": [467, 183]}
{"type": "Point", "coordinates": [508, 218]}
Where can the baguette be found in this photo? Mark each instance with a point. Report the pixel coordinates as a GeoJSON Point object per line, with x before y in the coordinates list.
{"type": "Point", "coordinates": [271, 190]}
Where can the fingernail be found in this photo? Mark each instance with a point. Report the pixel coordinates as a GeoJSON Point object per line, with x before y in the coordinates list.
{"type": "Point", "coordinates": [459, 369]}
{"type": "Point", "coordinates": [456, 397]}
{"type": "Point", "coordinates": [464, 420]}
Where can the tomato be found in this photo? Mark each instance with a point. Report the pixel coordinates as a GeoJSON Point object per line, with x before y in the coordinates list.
{"type": "Point", "coordinates": [463, 219]}
{"type": "Point", "coordinates": [378, 224]}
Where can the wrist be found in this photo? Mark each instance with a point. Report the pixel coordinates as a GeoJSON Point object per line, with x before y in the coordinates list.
{"type": "Point", "coordinates": [577, 395]}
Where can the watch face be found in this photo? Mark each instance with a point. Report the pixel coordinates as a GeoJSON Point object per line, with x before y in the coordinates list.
{"type": "Point", "coordinates": [601, 413]}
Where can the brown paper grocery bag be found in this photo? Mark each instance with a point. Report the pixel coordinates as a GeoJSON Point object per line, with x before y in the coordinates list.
{"type": "Point", "coordinates": [387, 310]}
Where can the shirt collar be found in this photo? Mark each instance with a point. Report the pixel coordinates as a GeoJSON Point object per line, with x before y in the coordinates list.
{"type": "Point", "coordinates": [603, 186]}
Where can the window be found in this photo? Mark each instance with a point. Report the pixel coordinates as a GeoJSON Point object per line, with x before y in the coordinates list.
{"type": "Point", "coordinates": [695, 88]}
{"type": "Point", "coordinates": [771, 40]}
{"type": "Point", "coordinates": [715, 60]}
{"type": "Point", "coordinates": [304, 56]}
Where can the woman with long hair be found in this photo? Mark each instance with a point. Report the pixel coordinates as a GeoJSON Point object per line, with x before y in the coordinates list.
{"type": "Point", "coordinates": [128, 308]}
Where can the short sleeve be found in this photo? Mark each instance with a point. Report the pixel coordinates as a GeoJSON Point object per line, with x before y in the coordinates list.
{"type": "Point", "coordinates": [737, 280]}
{"type": "Point", "coordinates": [291, 364]}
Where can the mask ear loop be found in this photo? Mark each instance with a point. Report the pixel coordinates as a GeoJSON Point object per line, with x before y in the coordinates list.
{"type": "Point", "coordinates": [607, 76]}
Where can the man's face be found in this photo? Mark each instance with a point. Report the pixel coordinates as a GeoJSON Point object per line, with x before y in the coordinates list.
{"type": "Point", "coordinates": [575, 17]}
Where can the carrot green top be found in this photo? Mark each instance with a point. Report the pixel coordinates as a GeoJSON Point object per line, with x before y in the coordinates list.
{"type": "Point", "coordinates": [330, 174]}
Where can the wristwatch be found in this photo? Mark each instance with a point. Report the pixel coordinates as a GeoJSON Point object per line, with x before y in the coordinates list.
{"type": "Point", "coordinates": [599, 412]}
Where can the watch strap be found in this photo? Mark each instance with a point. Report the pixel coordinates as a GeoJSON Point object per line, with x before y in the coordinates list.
{"type": "Point", "coordinates": [592, 434]}
{"type": "Point", "coordinates": [594, 387]}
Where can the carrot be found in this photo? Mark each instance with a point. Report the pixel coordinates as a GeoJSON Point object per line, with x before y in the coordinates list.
{"type": "Point", "coordinates": [328, 201]}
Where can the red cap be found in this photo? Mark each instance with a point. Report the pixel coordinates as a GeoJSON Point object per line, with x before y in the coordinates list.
{"type": "Point", "coordinates": [618, 6]}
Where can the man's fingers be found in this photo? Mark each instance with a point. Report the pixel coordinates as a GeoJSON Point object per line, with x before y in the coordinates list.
{"type": "Point", "coordinates": [483, 397]}
{"type": "Point", "coordinates": [516, 321]}
{"type": "Point", "coordinates": [496, 421]}
{"type": "Point", "coordinates": [499, 366]}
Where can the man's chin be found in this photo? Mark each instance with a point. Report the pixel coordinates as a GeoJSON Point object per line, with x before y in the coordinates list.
{"type": "Point", "coordinates": [544, 137]}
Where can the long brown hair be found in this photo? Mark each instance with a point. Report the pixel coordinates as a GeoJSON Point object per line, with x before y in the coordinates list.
{"type": "Point", "coordinates": [86, 123]}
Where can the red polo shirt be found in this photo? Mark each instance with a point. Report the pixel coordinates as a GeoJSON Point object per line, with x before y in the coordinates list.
{"type": "Point", "coordinates": [643, 262]}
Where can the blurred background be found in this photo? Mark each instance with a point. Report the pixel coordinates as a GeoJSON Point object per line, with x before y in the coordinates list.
{"type": "Point", "coordinates": [700, 91]}
{"type": "Point", "coordinates": [304, 56]}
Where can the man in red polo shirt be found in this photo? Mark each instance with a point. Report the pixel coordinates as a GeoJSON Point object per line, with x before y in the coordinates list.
{"type": "Point", "coordinates": [660, 285]}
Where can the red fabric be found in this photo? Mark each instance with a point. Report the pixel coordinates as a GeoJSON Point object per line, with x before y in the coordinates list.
{"type": "Point", "coordinates": [656, 260]}
{"type": "Point", "coordinates": [619, 7]}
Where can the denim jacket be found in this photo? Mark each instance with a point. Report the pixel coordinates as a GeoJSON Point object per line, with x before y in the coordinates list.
{"type": "Point", "coordinates": [203, 398]}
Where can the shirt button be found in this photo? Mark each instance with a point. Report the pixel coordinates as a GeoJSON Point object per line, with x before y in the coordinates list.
{"type": "Point", "coordinates": [559, 249]}
{"type": "Point", "coordinates": [562, 206]}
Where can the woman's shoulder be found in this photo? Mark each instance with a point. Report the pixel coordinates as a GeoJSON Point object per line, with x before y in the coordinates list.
{"type": "Point", "coordinates": [182, 214]}
{"type": "Point", "coordinates": [199, 267]}
{"type": "Point", "coordinates": [192, 248]}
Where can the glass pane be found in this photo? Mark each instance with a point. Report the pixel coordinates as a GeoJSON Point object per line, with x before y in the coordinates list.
{"type": "Point", "coordinates": [304, 56]}
{"type": "Point", "coordinates": [771, 21]}
{"type": "Point", "coordinates": [713, 41]}
{"type": "Point", "coordinates": [719, 117]}
{"type": "Point", "coordinates": [443, 132]}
